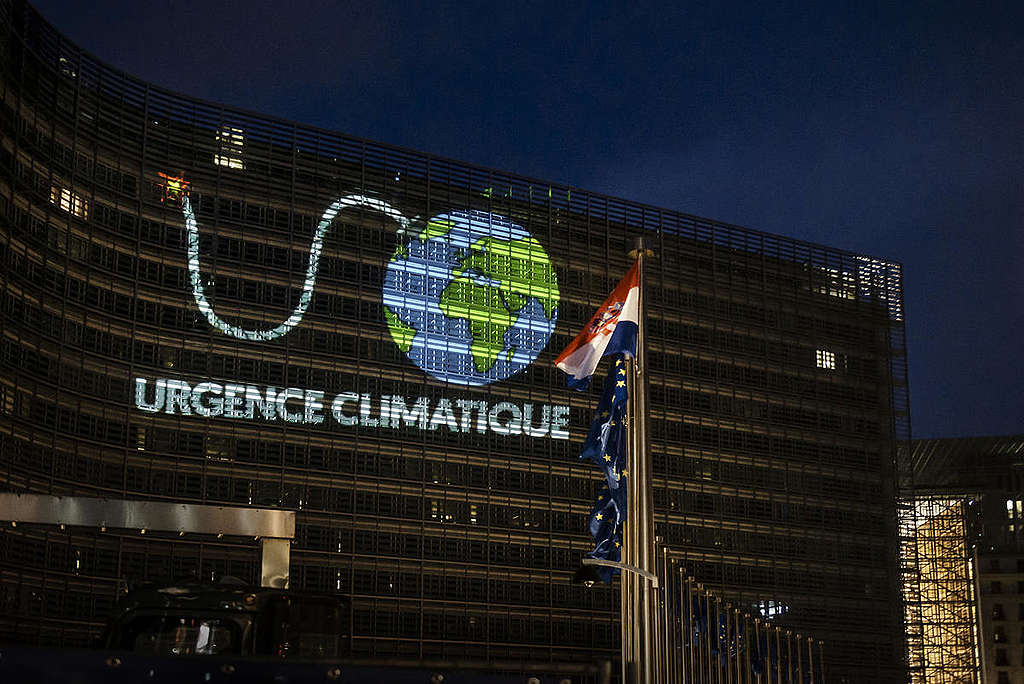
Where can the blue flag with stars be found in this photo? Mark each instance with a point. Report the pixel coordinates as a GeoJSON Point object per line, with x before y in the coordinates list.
{"type": "Point", "coordinates": [606, 528]}
{"type": "Point", "coordinates": [606, 447]}
{"type": "Point", "coordinates": [606, 442]}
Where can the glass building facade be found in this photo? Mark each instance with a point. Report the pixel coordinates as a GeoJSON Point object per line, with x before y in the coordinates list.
{"type": "Point", "coordinates": [186, 288]}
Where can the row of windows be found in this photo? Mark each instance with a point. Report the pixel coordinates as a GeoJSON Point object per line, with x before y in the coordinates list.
{"type": "Point", "coordinates": [504, 583]}
{"type": "Point", "coordinates": [226, 146]}
{"type": "Point", "coordinates": [110, 345]}
{"type": "Point", "coordinates": [1004, 565]}
{"type": "Point", "coordinates": [110, 428]}
{"type": "Point", "coordinates": [41, 367]}
{"type": "Point", "coordinates": [77, 164]}
{"type": "Point", "coordinates": [280, 257]}
{"type": "Point", "coordinates": [339, 308]}
{"type": "Point", "coordinates": [166, 479]}
{"type": "Point", "coordinates": [257, 292]}
{"type": "Point", "coordinates": [996, 586]}
{"type": "Point", "coordinates": [999, 613]}
{"type": "Point", "coordinates": [491, 510]}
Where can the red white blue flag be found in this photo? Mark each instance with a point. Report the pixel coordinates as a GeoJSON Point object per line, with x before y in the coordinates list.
{"type": "Point", "coordinates": [612, 330]}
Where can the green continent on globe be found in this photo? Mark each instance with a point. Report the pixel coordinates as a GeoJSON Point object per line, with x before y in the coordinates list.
{"type": "Point", "coordinates": [494, 282]}
{"type": "Point", "coordinates": [436, 228]}
{"type": "Point", "coordinates": [401, 332]}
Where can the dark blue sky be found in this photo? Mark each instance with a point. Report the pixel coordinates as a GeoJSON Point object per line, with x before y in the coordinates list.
{"type": "Point", "coordinates": [892, 129]}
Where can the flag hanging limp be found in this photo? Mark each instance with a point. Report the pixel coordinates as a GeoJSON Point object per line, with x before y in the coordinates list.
{"type": "Point", "coordinates": [612, 330]}
{"type": "Point", "coordinates": [606, 447]}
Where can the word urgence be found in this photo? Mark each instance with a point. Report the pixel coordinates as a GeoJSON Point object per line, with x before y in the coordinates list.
{"type": "Point", "coordinates": [310, 407]}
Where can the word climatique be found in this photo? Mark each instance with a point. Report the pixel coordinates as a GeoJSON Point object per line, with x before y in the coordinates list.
{"type": "Point", "coordinates": [313, 407]}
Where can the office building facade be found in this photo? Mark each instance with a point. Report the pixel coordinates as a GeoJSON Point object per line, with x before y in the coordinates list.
{"type": "Point", "coordinates": [206, 305]}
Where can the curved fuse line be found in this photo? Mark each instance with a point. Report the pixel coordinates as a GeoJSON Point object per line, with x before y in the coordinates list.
{"type": "Point", "coordinates": [315, 250]}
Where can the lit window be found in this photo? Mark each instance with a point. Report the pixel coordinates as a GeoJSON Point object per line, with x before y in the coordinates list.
{"type": "Point", "coordinates": [230, 140]}
{"type": "Point", "coordinates": [825, 359]}
{"type": "Point", "coordinates": [772, 609]}
{"type": "Point", "coordinates": [835, 283]}
{"type": "Point", "coordinates": [71, 202]}
{"type": "Point", "coordinates": [174, 188]}
{"type": "Point", "coordinates": [67, 69]}
{"type": "Point", "coordinates": [140, 439]}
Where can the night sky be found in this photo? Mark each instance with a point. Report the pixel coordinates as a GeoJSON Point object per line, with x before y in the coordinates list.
{"type": "Point", "coordinates": [890, 129]}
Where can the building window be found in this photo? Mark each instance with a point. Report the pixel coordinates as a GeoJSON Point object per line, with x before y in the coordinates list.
{"type": "Point", "coordinates": [771, 608]}
{"type": "Point", "coordinates": [994, 565]}
{"type": "Point", "coordinates": [997, 612]}
{"type": "Point", "coordinates": [1020, 612]}
{"type": "Point", "coordinates": [996, 588]}
{"type": "Point", "coordinates": [825, 359]}
{"type": "Point", "coordinates": [1004, 678]}
{"type": "Point", "coordinates": [173, 188]}
{"type": "Point", "coordinates": [999, 635]}
{"type": "Point", "coordinates": [71, 202]}
{"type": "Point", "coordinates": [1001, 657]}
{"type": "Point", "coordinates": [835, 282]}
{"type": "Point", "coordinates": [67, 68]}
{"type": "Point", "coordinates": [230, 141]}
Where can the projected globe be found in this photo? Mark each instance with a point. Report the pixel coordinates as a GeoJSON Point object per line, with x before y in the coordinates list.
{"type": "Point", "coordinates": [471, 299]}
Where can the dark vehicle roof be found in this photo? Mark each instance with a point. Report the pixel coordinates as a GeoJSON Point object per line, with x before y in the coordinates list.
{"type": "Point", "coordinates": [215, 597]}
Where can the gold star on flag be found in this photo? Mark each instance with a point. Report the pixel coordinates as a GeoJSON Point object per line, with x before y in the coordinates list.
{"type": "Point", "coordinates": [622, 371]}
{"type": "Point", "coordinates": [618, 544]}
{"type": "Point", "coordinates": [620, 383]}
{"type": "Point", "coordinates": [623, 473]}
{"type": "Point", "coordinates": [607, 457]}
{"type": "Point", "coordinates": [604, 414]}
{"type": "Point", "coordinates": [599, 517]}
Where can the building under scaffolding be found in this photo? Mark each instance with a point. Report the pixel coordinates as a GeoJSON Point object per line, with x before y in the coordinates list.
{"type": "Point", "coordinates": [963, 560]}
{"type": "Point", "coordinates": [939, 596]}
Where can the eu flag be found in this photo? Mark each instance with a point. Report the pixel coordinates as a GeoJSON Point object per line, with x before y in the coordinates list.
{"type": "Point", "coordinates": [606, 441]}
{"type": "Point", "coordinates": [606, 447]}
{"type": "Point", "coordinates": [606, 528]}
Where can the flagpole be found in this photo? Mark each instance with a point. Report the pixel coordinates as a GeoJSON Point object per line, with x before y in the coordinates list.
{"type": "Point", "coordinates": [639, 598]}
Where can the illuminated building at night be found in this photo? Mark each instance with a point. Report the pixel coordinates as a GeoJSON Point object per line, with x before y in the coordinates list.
{"type": "Point", "coordinates": [964, 556]}
{"type": "Point", "coordinates": [205, 305]}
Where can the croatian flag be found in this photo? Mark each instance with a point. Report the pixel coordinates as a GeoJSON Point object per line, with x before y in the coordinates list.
{"type": "Point", "coordinates": [612, 330]}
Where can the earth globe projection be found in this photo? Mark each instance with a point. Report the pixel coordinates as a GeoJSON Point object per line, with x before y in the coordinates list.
{"type": "Point", "coordinates": [472, 298]}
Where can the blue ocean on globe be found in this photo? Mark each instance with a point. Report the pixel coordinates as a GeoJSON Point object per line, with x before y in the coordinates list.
{"type": "Point", "coordinates": [471, 299]}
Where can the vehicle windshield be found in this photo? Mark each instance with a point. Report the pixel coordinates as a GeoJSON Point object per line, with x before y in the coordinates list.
{"type": "Point", "coordinates": [174, 635]}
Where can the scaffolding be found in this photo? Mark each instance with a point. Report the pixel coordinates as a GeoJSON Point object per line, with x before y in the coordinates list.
{"type": "Point", "coordinates": [939, 591]}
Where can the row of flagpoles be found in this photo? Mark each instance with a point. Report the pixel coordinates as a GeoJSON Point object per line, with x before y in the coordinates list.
{"type": "Point", "coordinates": [708, 640]}
{"type": "Point", "coordinates": [673, 631]}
